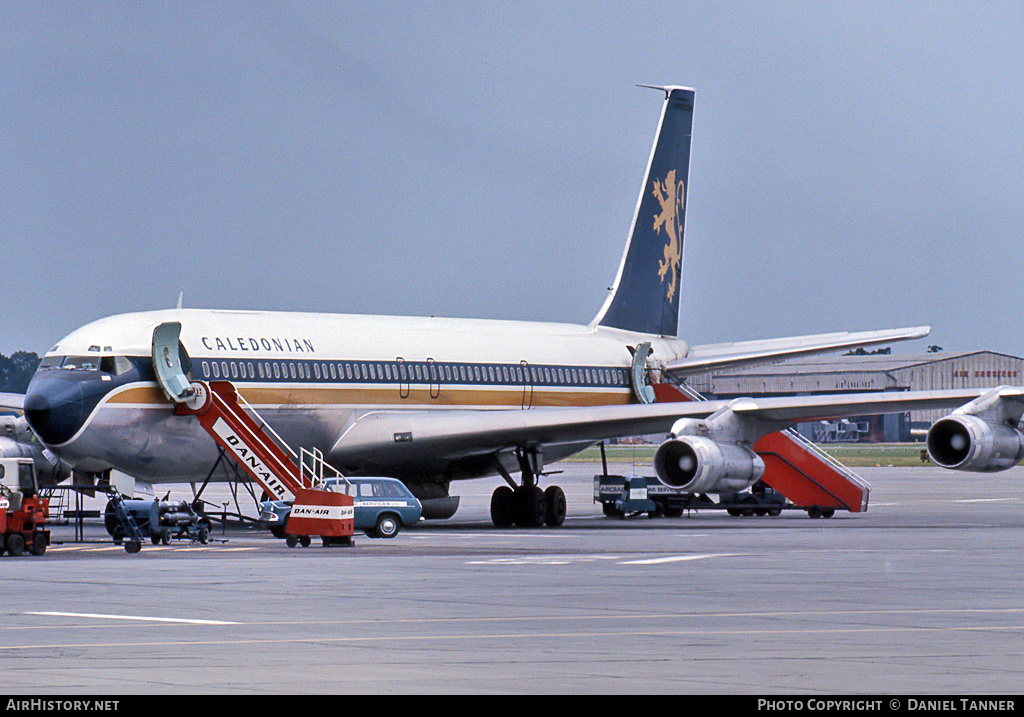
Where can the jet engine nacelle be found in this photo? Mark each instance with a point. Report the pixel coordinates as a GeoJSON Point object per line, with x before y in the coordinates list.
{"type": "Point", "coordinates": [970, 443]}
{"type": "Point", "coordinates": [697, 464]}
{"type": "Point", "coordinates": [17, 441]}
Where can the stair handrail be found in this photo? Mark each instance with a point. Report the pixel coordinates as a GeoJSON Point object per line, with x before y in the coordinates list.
{"type": "Point", "coordinates": [831, 460]}
{"type": "Point", "coordinates": [264, 425]}
{"type": "Point", "coordinates": [792, 433]}
{"type": "Point", "coordinates": [317, 468]}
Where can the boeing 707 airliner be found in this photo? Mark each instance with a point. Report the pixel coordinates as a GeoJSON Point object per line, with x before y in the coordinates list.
{"type": "Point", "coordinates": [436, 400]}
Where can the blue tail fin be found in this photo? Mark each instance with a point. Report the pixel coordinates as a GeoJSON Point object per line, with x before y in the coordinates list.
{"type": "Point", "coordinates": [645, 295]}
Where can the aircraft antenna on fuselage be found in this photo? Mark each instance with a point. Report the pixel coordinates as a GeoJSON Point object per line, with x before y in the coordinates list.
{"type": "Point", "coordinates": [645, 295]}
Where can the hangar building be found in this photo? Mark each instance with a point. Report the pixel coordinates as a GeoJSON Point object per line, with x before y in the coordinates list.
{"type": "Point", "coordinates": [860, 373]}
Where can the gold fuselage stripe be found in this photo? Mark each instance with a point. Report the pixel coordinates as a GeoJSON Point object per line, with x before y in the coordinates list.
{"type": "Point", "coordinates": [393, 396]}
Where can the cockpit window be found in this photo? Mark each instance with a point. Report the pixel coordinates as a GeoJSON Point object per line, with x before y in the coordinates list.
{"type": "Point", "coordinates": [115, 365]}
{"type": "Point", "coordinates": [81, 363]}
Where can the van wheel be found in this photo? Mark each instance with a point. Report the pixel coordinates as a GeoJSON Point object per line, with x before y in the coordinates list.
{"type": "Point", "coordinates": [387, 526]}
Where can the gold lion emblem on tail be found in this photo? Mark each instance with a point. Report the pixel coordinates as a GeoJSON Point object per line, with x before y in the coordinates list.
{"type": "Point", "coordinates": [670, 194]}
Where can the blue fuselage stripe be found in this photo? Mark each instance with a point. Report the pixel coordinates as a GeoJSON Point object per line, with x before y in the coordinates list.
{"type": "Point", "coordinates": [408, 372]}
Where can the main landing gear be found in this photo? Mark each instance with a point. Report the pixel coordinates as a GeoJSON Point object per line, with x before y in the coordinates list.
{"type": "Point", "coordinates": [526, 505]}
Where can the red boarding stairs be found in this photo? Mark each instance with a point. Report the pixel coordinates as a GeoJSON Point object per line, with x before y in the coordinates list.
{"type": "Point", "coordinates": [795, 467]}
{"type": "Point", "coordinates": [267, 460]}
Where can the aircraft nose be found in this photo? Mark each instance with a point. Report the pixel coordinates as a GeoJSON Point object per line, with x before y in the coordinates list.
{"type": "Point", "coordinates": [54, 408]}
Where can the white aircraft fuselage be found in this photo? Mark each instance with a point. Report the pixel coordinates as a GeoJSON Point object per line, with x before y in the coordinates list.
{"type": "Point", "coordinates": [311, 376]}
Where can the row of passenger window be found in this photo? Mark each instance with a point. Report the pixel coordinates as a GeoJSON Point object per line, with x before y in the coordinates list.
{"type": "Point", "coordinates": [428, 372]}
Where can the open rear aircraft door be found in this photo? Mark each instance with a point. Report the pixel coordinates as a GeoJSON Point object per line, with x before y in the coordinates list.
{"type": "Point", "coordinates": [638, 373]}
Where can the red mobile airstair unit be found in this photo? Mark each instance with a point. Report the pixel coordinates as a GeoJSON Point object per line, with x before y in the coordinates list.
{"type": "Point", "coordinates": [795, 467]}
{"type": "Point", "coordinates": [265, 457]}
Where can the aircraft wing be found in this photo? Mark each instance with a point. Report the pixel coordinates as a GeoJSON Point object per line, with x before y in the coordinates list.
{"type": "Point", "coordinates": [389, 436]}
{"type": "Point", "coordinates": [12, 402]}
{"type": "Point", "coordinates": [746, 353]}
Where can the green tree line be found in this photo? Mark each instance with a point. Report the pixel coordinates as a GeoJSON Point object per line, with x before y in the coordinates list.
{"type": "Point", "coordinates": [16, 371]}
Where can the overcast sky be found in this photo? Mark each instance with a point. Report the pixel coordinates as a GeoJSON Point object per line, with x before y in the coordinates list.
{"type": "Point", "coordinates": [855, 165]}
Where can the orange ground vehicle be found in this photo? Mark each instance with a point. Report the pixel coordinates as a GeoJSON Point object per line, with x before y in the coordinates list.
{"type": "Point", "coordinates": [23, 513]}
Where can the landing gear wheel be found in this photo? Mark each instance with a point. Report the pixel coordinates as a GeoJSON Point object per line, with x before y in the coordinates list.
{"type": "Point", "coordinates": [204, 534]}
{"type": "Point", "coordinates": [531, 507]}
{"type": "Point", "coordinates": [503, 507]}
{"type": "Point", "coordinates": [554, 500]}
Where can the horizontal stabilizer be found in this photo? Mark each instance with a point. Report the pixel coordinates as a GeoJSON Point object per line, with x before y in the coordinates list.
{"type": "Point", "coordinates": [747, 353]}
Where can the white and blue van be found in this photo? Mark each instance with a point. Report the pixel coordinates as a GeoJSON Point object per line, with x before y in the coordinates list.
{"type": "Point", "coordinates": [382, 506]}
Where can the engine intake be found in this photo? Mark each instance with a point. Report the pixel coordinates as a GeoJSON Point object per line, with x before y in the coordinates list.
{"type": "Point", "coordinates": [970, 443]}
{"type": "Point", "coordinates": [697, 464]}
